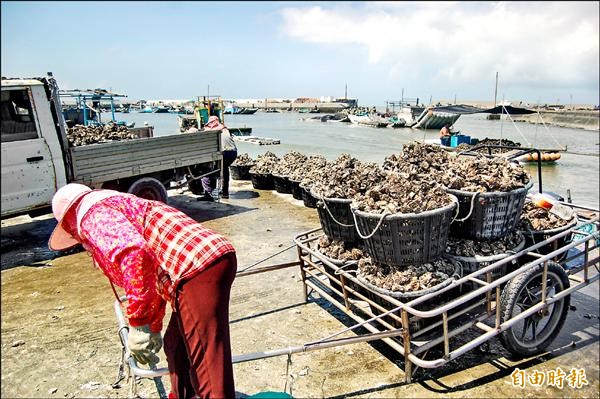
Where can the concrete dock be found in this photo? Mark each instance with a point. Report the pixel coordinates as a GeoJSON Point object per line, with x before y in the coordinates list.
{"type": "Point", "coordinates": [59, 332]}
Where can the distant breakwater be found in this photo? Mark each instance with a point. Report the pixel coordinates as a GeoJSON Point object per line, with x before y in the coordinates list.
{"type": "Point", "coordinates": [588, 120]}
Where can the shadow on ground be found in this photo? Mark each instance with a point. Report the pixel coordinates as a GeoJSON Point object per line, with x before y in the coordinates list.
{"type": "Point", "coordinates": [580, 330]}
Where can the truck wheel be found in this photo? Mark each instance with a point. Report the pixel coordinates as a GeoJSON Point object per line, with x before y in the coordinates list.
{"type": "Point", "coordinates": [149, 188]}
{"type": "Point", "coordinates": [533, 334]}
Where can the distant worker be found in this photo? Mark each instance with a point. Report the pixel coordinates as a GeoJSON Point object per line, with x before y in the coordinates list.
{"type": "Point", "coordinates": [445, 131]}
{"type": "Point", "coordinates": [158, 254]}
{"type": "Point", "coordinates": [229, 155]}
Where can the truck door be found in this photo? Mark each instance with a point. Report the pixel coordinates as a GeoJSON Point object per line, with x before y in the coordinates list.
{"type": "Point", "coordinates": [28, 176]}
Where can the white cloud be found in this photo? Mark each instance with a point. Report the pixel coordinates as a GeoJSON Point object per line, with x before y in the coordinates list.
{"type": "Point", "coordinates": [531, 44]}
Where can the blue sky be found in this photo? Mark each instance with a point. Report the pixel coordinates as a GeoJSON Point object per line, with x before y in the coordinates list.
{"type": "Point", "coordinates": [545, 52]}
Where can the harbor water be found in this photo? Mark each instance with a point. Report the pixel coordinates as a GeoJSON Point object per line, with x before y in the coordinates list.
{"type": "Point", "coordinates": [577, 170]}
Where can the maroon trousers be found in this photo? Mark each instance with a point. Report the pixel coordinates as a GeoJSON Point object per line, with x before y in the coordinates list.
{"type": "Point", "coordinates": [196, 342]}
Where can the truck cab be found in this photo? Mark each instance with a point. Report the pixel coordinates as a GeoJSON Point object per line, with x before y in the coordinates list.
{"type": "Point", "coordinates": [33, 163]}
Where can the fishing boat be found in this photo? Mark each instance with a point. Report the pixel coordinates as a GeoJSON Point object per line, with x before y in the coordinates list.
{"type": "Point", "coordinates": [396, 122]}
{"type": "Point", "coordinates": [160, 110]}
{"type": "Point", "coordinates": [430, 118]}
{"type": "Point", "coordinates": [368, 120]}
{"type": "Point", "coordinates": [247, 111]}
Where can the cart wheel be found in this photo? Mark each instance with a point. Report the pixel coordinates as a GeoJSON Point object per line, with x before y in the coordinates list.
{"type": "Point", "coordinates": [533, 334]}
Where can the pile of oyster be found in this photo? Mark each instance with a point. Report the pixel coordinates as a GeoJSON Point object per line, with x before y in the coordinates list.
{"type": "Point", "coordinates": [423, 161]}
{"type": "Point", "coordinates": [539, 219]}
{"type": "Point", "coordinates": [470, 248]}
{"type": "Point", "coordinates": [338, 250]}
{"type": "Point", "coordinates": [291, 161]}
{"type": "Point", "coordinates": [265, 163]}
{"type": "Point", "coordinates": [346, 177]}
{"type": "Point", "coordinates": [243, 160]}
{"type": "Point", "coordinates": [480, 174]}
{"type": "Point", "coordinates": [398, 194]}
{"type": "Point", "coordinates": [408, 278]}
{"type": "Point", "coordinates": [488, 141]}
{"type": "Point", "coordinates": [83, 135]}
{"type": "Point", "coordinates": [313, 168]}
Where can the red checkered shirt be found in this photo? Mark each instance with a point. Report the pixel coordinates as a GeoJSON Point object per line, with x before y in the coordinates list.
{"type": "Point", "coordinates": [181, 245]}
{"type": "Point", "coordinates": [140, 244]}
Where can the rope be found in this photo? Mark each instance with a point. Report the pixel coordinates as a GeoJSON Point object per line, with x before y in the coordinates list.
{"type": "Point", "coordinates": [341, 270]}
{"type": "Point", "coordinates": [548, 130]}
{"type": "Point", "coordinates": [334, 219]}
{"type": "Point", "coordinates": [267, 258]}
{"type": "Point", "coordinates": [383, 215]}
{"type": "Point", "coordinates": [513, 122]}
{"type": "Point", "coordinates": [470, 210]}
{"type": "Point", "coordinates": [288, 376]}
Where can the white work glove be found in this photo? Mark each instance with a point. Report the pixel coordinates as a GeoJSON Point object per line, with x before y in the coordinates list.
{"type": "Point", "coordinates": [143, 344]}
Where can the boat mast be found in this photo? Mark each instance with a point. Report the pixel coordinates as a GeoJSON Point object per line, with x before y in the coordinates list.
{"type": "Point", "coordinates": [496, 91]}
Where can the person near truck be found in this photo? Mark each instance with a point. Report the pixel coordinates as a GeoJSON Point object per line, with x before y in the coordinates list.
{"type": "Point", "coordinates": [158, 254]}
{"type": "Point", "coordinates": [229, 155]}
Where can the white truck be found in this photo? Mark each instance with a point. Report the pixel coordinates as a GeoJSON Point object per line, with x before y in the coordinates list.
{"type": "Point", "coordinates": [37, 159]}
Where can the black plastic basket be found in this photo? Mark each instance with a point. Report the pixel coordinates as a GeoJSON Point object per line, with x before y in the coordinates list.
{"type": "Point", "coordinates": [379, 295]}
{"type": "Point", "coordinates": [536, 236]}
{"type": "Point", "coordinates": [307, 198]}
{"type": "Point", "coordinates": [262, 181]}
{"type": "Point", "coordinates": [296, 189]}
{"type": "Point", "coordinates": [282, 184]}
{"type": "Point", "coordinates": [240, 172]}
{"type": "Point", "coordinates": [471, 264]}
{"type": "Point", "coordinates": [336, 219]}
{"type": "Point", "coordinates": [406, 239]}
{"type": "Point", "coordinates": [491, 215]}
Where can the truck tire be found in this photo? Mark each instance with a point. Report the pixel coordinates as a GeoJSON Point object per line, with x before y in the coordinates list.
{"type": "Point", "coordinates": [149, 188]}
{"type": "Point", "coordinates": [535, 333]}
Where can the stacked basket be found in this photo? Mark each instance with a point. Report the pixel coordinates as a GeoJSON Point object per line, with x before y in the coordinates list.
{"type": "Point", "coordinates": [491, 194]}
{"type": "Point", "coordinates": [261, 173]}
{"type": "Point", "coordinates": [538, 224]}
{"type": "Point", "coordinates": [405, 226]}
{"type": "Point", "coordinates": [240, 168]}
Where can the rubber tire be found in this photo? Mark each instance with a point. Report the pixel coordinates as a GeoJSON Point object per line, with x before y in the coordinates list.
{"type": "Point", "coordinates": [149, 188]}
{"type": "Point", "coordinates": [508, 301]}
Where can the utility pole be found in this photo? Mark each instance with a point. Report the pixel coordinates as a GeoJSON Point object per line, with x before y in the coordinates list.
{"type": "Point", "coordinates": [571, 97]}
{"type": "Point", "coordinates": [346, 92]}
{"type": "Point", "coordinates": [454, 98]}
{"type": "Point", "coordinates": [496, 91]}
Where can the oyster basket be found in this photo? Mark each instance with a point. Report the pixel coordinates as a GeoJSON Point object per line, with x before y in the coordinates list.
{"type": "Point", "coordinates": [240, 172]}
{"type": "Point", "coordinates": [296, 189]}
{"type": "Point", "coordinates": [308, 199]}
{"type": "Point", "coordinates": [336, 219]}
{"type": "Point", "coordinates": [406, 238]}
{"type": "Point", "coordinates": [487, 216]}
{"type": "Point", "coordinates": [262, 181]}
{"type": "Point", "coordinates": [378, 295]}
{"type": "Point", "coordinates": [282, 184]}
{"type": "Point", "coordinates": [471, 264]}
{"type": "Point", "coordinates": [533, 237]}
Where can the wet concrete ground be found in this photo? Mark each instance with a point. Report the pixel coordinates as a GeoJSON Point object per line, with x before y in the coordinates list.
{"type": "Point", "coordinates": [59, 332]}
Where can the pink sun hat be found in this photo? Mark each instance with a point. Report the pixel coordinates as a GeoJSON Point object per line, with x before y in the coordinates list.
{"type": "Point", "coordinates": [63, 200]}
{"type": "Point", "coordinates": [214, 124]}
{"type": "Point", "coordinates": [83, 198]}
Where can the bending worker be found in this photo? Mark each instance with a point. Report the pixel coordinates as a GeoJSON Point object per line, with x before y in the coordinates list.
{"type": "Point", "coordinates": [157, 254]}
